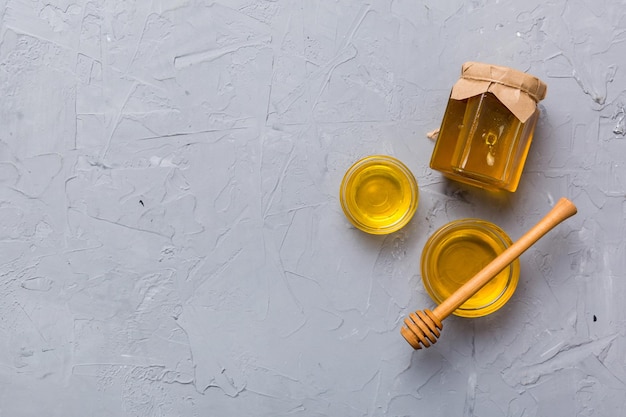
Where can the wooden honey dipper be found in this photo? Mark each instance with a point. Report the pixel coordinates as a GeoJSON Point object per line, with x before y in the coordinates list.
{"type": "Point", "coordinates": [423, 327]}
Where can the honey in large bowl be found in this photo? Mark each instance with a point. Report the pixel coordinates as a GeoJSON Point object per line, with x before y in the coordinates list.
{"type": "Point", "coordinates": [459, 250]}
{"type": "Point", "coordinates": [379, 194]}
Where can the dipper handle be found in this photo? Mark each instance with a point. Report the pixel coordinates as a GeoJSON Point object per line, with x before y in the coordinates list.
{"type": "Point", "coordinates": [423, 327]}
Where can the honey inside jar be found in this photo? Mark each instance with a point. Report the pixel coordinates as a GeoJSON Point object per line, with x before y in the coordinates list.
{"type": "Point", "coordinates": [486, 148]}
{"type": "Point", "coordinates": [379, 194]}
{"type": "Point", "coordinates": [459, 250]}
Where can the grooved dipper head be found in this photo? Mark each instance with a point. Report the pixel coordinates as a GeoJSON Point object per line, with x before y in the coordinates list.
{"type": "Point", "coordinates": [421, 329]}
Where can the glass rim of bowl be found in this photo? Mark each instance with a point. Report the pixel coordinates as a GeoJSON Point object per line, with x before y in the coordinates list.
{"type": "Point", "coordinates": [504, 242]}
{"type": "Point", "coordinates": [413, 187]}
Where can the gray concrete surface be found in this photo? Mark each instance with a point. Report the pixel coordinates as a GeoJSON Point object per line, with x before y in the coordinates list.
{"type": "Point", "coordinates": [171, 238]}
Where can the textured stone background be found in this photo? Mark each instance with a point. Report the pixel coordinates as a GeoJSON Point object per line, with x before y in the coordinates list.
{"type": "Point", "coordinates": [171, 238]}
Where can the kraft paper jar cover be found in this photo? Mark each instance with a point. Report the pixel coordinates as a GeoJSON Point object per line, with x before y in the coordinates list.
{"type": "Point", "coordinates": [518, 91]}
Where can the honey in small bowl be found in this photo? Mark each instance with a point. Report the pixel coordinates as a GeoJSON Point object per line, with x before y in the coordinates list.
{"type": "Point", "coordinates": [379, 194]}
{"type": "Point", "coordinates": [455, 253]}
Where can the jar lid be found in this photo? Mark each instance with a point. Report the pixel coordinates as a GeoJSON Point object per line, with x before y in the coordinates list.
{"type": "Point", "coordinates": [518, 91]}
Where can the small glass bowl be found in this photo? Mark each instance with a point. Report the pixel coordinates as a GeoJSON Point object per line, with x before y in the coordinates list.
{"type": "Point", "coordinates": [456, 252]}
{"type": "Point", "coordinates": [379, 194]}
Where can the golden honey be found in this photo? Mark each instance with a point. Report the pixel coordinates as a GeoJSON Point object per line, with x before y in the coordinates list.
{"type": "Point", "coordinates": [379, 194]}
{"type": "Point", "coordinates": [459, 250]}
{"type": "Point", "coordinates": [488, 127]}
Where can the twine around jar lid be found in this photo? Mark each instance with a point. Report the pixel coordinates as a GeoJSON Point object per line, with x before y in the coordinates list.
{"type": "Point", "coordinates": [518, 91]}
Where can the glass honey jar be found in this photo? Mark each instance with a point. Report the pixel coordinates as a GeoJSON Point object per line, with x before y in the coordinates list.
{"type": "Point", "coordinates": [488, 126]}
